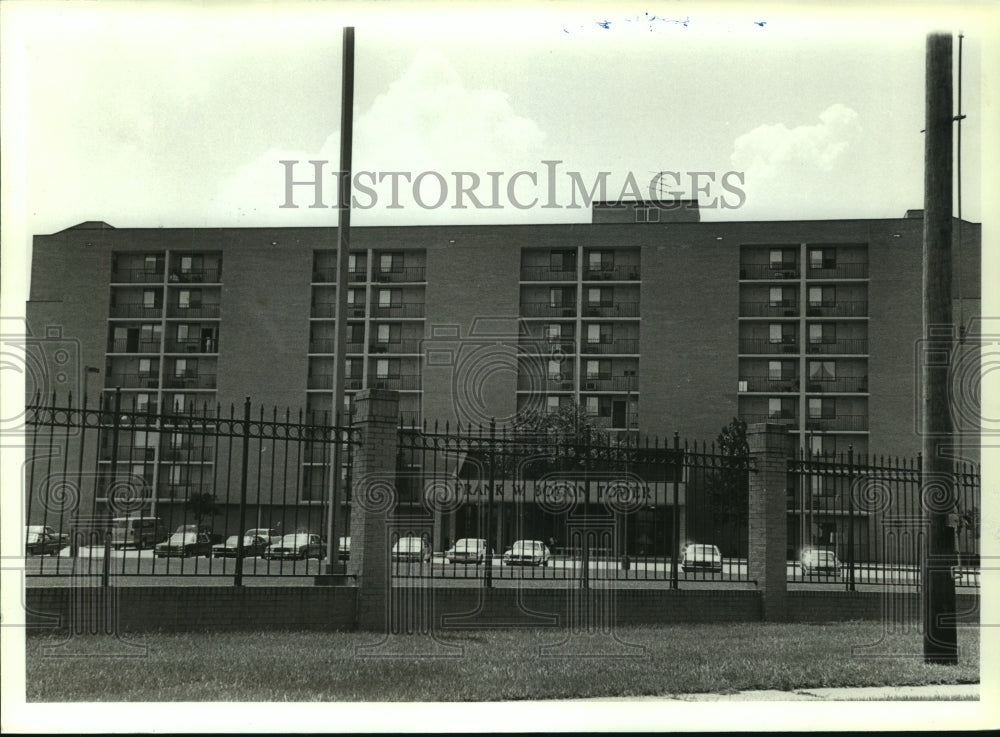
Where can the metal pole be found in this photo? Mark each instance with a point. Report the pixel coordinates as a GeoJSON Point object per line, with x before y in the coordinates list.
{"type": "Point", "coordinates": [115, 427]}
{"type": "Point", "coordinates": [488, 573]}
{"type": "Point", "coordinates": [940, 635]}
{"type": "Point", "coordinates": [850, 519]}
{"type": "Point", "coordinates": [675, 542]}
{"type": "Point", "coordinates": [238, 580]}
{"type": "Point", "coordinates": [343, 261]}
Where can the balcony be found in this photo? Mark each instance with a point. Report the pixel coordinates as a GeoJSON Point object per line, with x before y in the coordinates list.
{"type": "Point", "coordinates": [855, 308]}
{"type": "Point", "coordinates": [846, 346]}
{"type": "Point", "coordinates": [187, 453]}
{"type": "Point", "coordinates": [143, 346]}
{"type": "Point", "coordinates": [398, 310]}
{"type": "Point", "coordinates": [190, 381]}
{"type": "Point", "coordinates": [136, 276]}
{"type": "Point", "coordinates": [768, 384]}
{"type": "Point", "coordinates": [535, 345]}
{"type": "Point", "coordinates": [400, 274]}
{"type": "Point", "coordinates": [840, 384]}
{"type": "Point", "coordinates": [201, 309]}
{"type": "Point", "coordinates": [136, 309]}
{"type": "Point", "coordinates": [611, 309]}
{"type": "Point", "coordinates": [325, 309]}
{"type": "Point", "coordinates": [784, 308]}
{"type": "Point", "coordinates": [783, 418]}
{"type": "Point", "coordinates": [761, 346]}
{"type": "Point", "coordinates": [622, 272]}
{"type": "Point", "coordinates": [409, 418]}
{"type": "Point", "coordinates": [547, 273]}
{"type": "Point", "coordinates": [602, 383]}
{"type": "Point", "coordinates": [322, 345]}
{"type": "Point", "coordinates": [394, 348]}
{"type": "Point", "coordinates": [196, 276]}
{"type": "Point", "coordinates": [770, 272]}
{"type": "Point", "coordinates": [402, 382]}
{"type": "Point", "coordinates": [853, 270]}
{"type": "Point", "coordinates": [182, 490]}
{"type": "Point", "coordinates": [129, 453]}
{"type": "Point", "coordinates": [616, 345]}
{"type": "Point", "coordinates": [847, 423]}
{"type": "Point", "coordinates": [358, 274]}
{"type": "Point", "coordinates": [536, 383]}
{"type": "Point", "coordinates": [206, 345]}
{"type": "Point", "coordinates": [133, 381]}
{"type": "Point", "coordinates": [606, 423]}
{"type": "Point", "coordinates": [325, 275]}
{"type": "Point", "coordinates": [547, 309]}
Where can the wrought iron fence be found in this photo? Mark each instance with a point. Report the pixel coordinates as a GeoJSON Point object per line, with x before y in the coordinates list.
{"type": "Point", "coordinates": [123, 490]}
{"type": "Point", "coordinates": [498, 504]}
{"type": "Point", "coordinates": [861, 520]}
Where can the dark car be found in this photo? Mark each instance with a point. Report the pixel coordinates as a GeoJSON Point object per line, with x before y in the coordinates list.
{"type": "Point", "coordinates": [41, 540]}
{"type": "Point", "coordinates": [299, 545]}
{"type": "Point", "coordinates": [184, 544]}
{"type": "Point", "coordinates": [253, 546]}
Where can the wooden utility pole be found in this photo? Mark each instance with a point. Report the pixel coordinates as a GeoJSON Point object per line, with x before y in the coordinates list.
{"type": "Point", "coordinates": [938, 480]}
{"type": "Point", "coordinates": [343, 262]}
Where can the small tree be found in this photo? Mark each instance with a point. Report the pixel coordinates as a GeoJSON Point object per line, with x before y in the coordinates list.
{"type": "Point", "coordinates": [729, 484]}
{"type": "Point", "coordinates": [201, 505]}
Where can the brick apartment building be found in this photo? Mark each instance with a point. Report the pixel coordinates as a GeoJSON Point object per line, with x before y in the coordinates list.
{"type": "Point", "coordinates": [651, 319]}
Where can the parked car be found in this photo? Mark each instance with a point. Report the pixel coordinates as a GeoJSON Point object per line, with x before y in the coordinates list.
{"type": "Point", "coordinates": [411, 549]}
{"type": "Point", "coordinates": [270, 535]}
{"type": "Point", "coordinates": [137, 532]}
{"type": "Point", "coordinates": [467, 550]}
{"type": "Point", "coordinates": [527, 553]}
{"type": "Point", "coordinates": [253, 546]}
{"type": "Point", "coordinates": [698, 557]}
{"type": "Point", "coordinates": [184, 544]}
{"type": "Point", "coordinates": [344, 549]}
{"type": "Point", "coordinates": [40, 540]}
{"type": "Point", "coordinates": [63, 536]}
{"type": "Point", "coordinates": [297, 545]}
{"type": "Point", "coordinates": [817, 560]}
{"type": "Point", "coordinates": [212, 536]}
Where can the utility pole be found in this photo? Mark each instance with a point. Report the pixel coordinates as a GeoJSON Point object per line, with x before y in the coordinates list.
{"type": "Point", "coordinates": [937, 481]}
{"type": "Point", "coordinates": [343, 251]}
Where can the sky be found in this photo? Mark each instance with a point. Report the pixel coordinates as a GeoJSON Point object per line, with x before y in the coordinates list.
{"type": "Point", "coordinates": [167, 114]}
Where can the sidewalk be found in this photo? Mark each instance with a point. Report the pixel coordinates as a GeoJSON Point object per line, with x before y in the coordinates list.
{"type": "Point", "coordinates": [938, 692]}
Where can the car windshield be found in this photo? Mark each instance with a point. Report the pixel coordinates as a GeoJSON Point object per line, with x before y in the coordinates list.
{"type": "Point", "coordinates": [34, 537]}
{"type": "Point", "coordinates": [296, 539]}
{"type": "Point", "coordinates": [525, 547]}
{"type": "Point", "coordinates": [409, 543]}
{"type": "Point", "coordinates": [260, 532]}
{"type": "Point", "coordinates": [468, 544]}
{"type": "Point", "coordinates": [183, 537]}
{"type": "Point", "coordinates": [822, 555]}
{"type": "Point", "coordinates": [703, 550]}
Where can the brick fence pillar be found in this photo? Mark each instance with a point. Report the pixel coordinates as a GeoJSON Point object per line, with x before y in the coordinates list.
{"type": "Point", "coordinates": [376, 415]}
{"type": "Point", "coordinates": [770, 447]}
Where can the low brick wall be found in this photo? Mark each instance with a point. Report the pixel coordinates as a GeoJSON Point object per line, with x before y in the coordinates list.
{"type": "Point", "coordinates": [418, 609]}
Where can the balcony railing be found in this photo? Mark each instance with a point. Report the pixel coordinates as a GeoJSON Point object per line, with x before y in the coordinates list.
{"type": "Point", "coordinates": [185, 454]}
{"type": "Point", "coordinates": [400, 274]}
{"type": "Point", "coordinates": [784, 308]}
{"type": "Point", "coordinates": [408, 345]}
{"type": "Point", "coordinates": [547, 273]}
{"type": "Point", "coordinates": [767, 346]}
{"type": "Point", "coordinates": [129, 453]}
{"type": "Point", "coordinates": [195, 276]}
{"type": "Point", "coordinates": [190, 381]}
{"type": "Point", "coordinates": [409, 418]}
{"type": "Point", "coordinates": [182, 490]}
{"type": "Point", "coordinates": [358, 274]}
{"type": "Point", "coordinates": [769, 272]}
{"type": "Point", "coordinates": [547, 309]}
{"type": "Point", "coordinates": [605, 422]}
{"type": "Point", "coordinates": [325, 309]}
{"type": "Point", "coordinates": [856, 423]}
{"type": "Point", "coordinates": [401, 382]}
{"type": "Point", "coordinates": [133, 381]}
{"type": "Point", "coordinates": [196, 345]}
{"type": "Point", "coordinates": [849, 346]}
{"type": "Point", "coordinates": [401, 309]}
{"type": "Point", "coordinates": [851, 308]}
{"type": "Point", "coordinates": [536, 345]}
{"type": "Point", "coordinates": [615, 345]}
{"type": "Point", "coordinates": [325, 274]}
{"type": "Point", "coordinates": [121, 345]}
{"type": "Point", "coordinates": [136, 309]}
{"type": "Point", "coordinates": [621, 272]}
{"type": "Point", "coordinates": [613, 309]}
{"type": "Point", "coordinates": [325, 381]}
{"type": "Point", "coordinates": [839, 384]}
{"type": "Point", "coordinates": [545, 383]}
{"type": "Point", "coordinates": [768, 384]}
{"type": "Point", "coordinates": [202, 309]}
{"type": "Point", "coordinates": [137, 276]}
{"type": "Point", "coordinates": [849, 270]}
{"type": "Point", "coordinates": [784, 418]}
{"type": "Point", "coordinates": [610, 384]}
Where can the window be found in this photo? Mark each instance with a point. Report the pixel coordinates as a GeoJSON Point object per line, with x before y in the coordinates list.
{"type": "Point", "coordinates": [594, 333]}
{"type": "Point", "coordinates": [553, 331]}
{"type": "Point", "coordinates": [822, 258]}
{"type": "Point", "coordinates": [388, 297]}
{"type": "Point", "coordinates": [383, 334]}
{"type": "Point", "coordinates": [593, 369]}
{"type": "Point", "coordinates": [175, 476]}
{"type": "Point", "coordinates": [180, 367]}
{"type": "Point", "coordinates": [779, 332]}
{"type": "Point", "coordinates": [189, 298]}
{"type": "Point", "coordinates": [562, 260]}
{"type": "Point", "coordinates": [352, 262]}
{"type": "Point", "coordinates": [150, 333]}
{"type": "Point", "coordinates": [382, 368]}
{"type": "Point", "coordinates": [177, 440]}
{"type": "Point", "coordinates": [385, 262]}
{"type": "Point", "coordinates": [591, 405]}
{"type": "Point", "coordinates": [822, 332]}
{"type": "Point", "coordinates": [555, 370]}
{"type": "Point", "coordinates": [179, 403]}
{"type": "Point", "coordinates": [149, 265]}
{"type": "Point", "coordinates": [182, 332]}
{"type": "Point", "coordinates": [817, 444]}
{"type": "Point", "coordinates": [822, 370]}
{"type": "Point", "coordinates": [647, 214]}
{"type": "Point", "coordinates": [822, 407]}
{"type": "Point", "coordinates": [551, 404]}
{"type": "Point", "coordinates": [141, 403]}
{"type": "Point", "coordinates": [355, 333]}
{"type": "Point", "coordinates": [186, 264]}
{"type": "Point", "coordinates": [555, 297]}
{"type": "Point", "coordinates": [780, 408]}
{"type": "Point", "coordinates": [145, 367]}
{"type": "Point", "coordinates": [600, 260]}
{"type": "Point", "coordinates": [776, 258]}
{"type": "Point", "coordinates": [149, 298]}
{"type": "Point", "coordinates": [142, 439]}
{"type": "Point", "coordinates": [822, 296]}
{"type": "Point", "coordinates": [780, 370]}
{"type": "Point", "coordinates": [352, 296]}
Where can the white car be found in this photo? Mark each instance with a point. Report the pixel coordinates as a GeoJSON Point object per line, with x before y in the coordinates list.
{"type": "Point", "coordinates": [467, 550]}
{"type": "Point", "coordinates": [411, 549]}
{"type": "Point", "coordinates": [698, 557]}
{"type": "Point", "coordinates": [817, 560]}
{"type": "Point", "coordinates": [527, 553]}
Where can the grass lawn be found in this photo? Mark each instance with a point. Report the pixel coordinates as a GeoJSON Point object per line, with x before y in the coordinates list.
{"type": "Point", "coordinates": [491, 665]}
